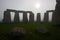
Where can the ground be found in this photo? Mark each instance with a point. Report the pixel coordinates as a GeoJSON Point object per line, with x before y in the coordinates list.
{"type": "Point", "coordinates": [54, 32]}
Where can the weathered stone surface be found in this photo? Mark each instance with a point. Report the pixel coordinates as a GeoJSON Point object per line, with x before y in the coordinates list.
{"type": "Point", "coordinates": [56, 14]}
{"type": "Point", "coordinates": [7, 17]}
{"type": "Point", "coordinates": [16, 33]}
{"type": "Point", "coordinates": [42, 30]}
{"type": "Point", "coordinates": [38, 17]}
{"type": "Point", "coordinates": [31, 17]}
{"type": "Point", "coordinates": [16, 18]}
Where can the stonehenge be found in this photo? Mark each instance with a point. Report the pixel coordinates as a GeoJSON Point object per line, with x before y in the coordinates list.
{"type": "Point", "coordinates": [46, 15]}
{"type": "Point", "coordinates": [7, 16]}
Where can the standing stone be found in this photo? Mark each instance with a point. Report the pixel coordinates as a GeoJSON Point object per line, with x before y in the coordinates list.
{"type": "Point", "coordinates": [7, 17]}
{"type": "Point", "coordinates": [16, 18]}
{"type": "Point", "coordinates": [25, 19]}
{"type": "Point", "coordinates": [46, 17]}
{"type": "Point", "coordinates": [31, 17]}
{"type": "Point", "coordinates": [38, 17]}
{"type": "Point", "coordinates": [56, 14]}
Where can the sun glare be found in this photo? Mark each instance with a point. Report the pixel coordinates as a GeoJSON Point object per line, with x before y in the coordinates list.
{"type": "Point", "coordinates": [37, 5]}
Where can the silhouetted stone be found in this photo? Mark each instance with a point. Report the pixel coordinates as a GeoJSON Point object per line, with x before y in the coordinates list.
{"type": "Point", "coordinates": [16, 33]}
{"type": "Point", "coordinates": [31, 17]}
{"type": "Point", "coordinates": [46, 17]}
{"type": "Point", "coordinates": [25, 19]}
{"type": "Point", "coordinates": [38, 17]}
{"type": "Point", "coordinates": [7, 17]}
{"type": "Point", "coordinates": [16, 18]}
{"type": "Point", "coordinates": [56, 14]}
{"type": "Point", "coordinates": [12, 10]}
{"type": "Point", "coordinates": [57, 1]}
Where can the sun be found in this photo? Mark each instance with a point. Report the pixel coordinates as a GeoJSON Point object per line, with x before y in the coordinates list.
{"type": "Point", "coordinates": [37, 5]}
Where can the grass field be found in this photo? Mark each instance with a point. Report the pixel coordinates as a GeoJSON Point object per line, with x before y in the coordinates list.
{"type": "Point", "coordinates": [30, 31]}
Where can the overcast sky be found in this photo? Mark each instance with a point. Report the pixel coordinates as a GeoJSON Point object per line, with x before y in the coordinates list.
{"type": "Point", "coordinates": [27, 5]}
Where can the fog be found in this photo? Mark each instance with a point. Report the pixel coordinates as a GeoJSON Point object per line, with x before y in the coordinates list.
{"type": "Point", "coordinates": [27, 5]}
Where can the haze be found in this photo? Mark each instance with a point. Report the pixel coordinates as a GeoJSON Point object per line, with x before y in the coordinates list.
{"type": "Point", "coordinates": [27, 5]}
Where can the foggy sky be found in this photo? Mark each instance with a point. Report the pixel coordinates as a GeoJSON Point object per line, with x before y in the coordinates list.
{"type": "Point", "coordinates": [26, 5]}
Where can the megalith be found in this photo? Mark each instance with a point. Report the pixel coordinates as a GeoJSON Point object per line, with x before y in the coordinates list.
{"type": "Point", "coordinates": [25, 19]}
{"type": "Point", "coordinates": [7, 17]}
{"type": "Point", "coordinates": [46, 17]}
{"type": "Point", "coordinates": [38, 17]}
{"type": "Point", "coordinates": [16, 18]}
{"type": "Point", "coordinates": [56, 14]}
{"type": "Point", "coordinates": [31, 17]}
